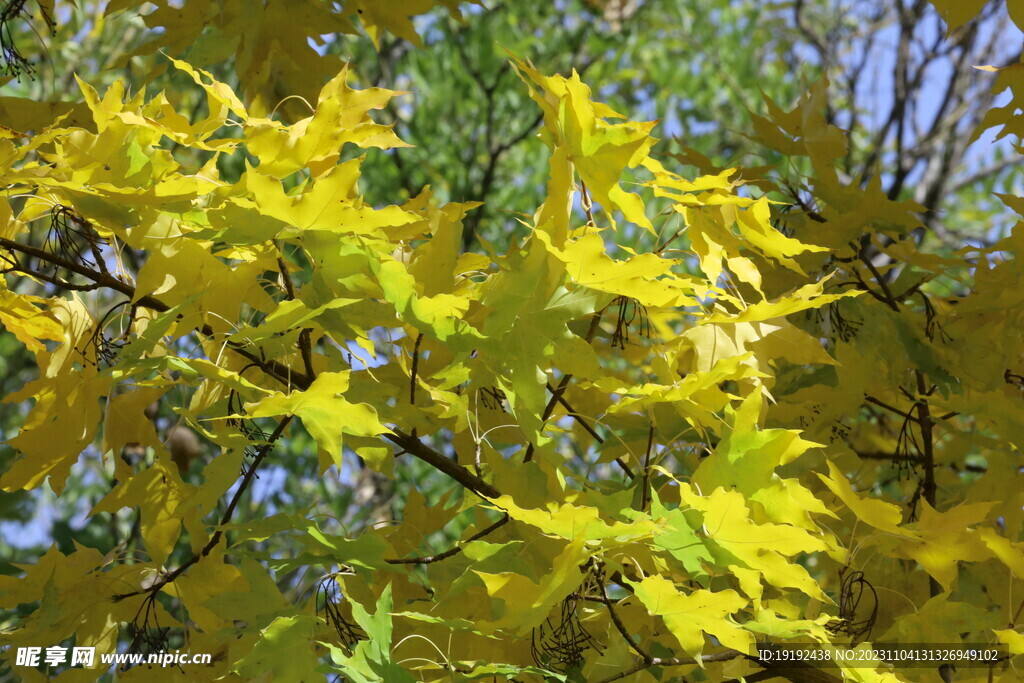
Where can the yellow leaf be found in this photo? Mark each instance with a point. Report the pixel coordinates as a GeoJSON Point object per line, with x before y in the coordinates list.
{"type": "Point", "coordinates": [571, 521]}
{"type": "Point", "coordinates": [690, 389]}
{"type": "Point", "coordinates": [553, 215]}
{"type": "Point", "coordinates": [341, 116]}
{"type": "Point", "coordinates": [75, 600]}
{"type": "Point", "coordinates": [956, 13]}
{"type": "Point", "coordinates": [208, 579]}
{"type": "Point", "coordinates": [808, 296]}
{"type": "Point", "coordinates": [668, 184]}
{"type": "Point", "coordinates": [62, 423]}
{"type": "Point", "coordinates": [1008, 116]}
{"type": "Point", "coordinates": [434, 262]}
{"type": "Point", "coordinates": [804, 130]}
{"type": "Point", "coordinates": [225, 287]}
{"type": "Point", "coordinates": [877, 513]}
{"type": "Point", "coordinates": [126, 423]}
{"type": "Point", "coordinates": [20, 314]}
{"type": "Point", "coordinates": [528, 603]}
{"type": "Point", "coordinates": [1013, 640]}
{"type": "Point", "coordinates": [599, 151]}
{"type": "Point", "coordinates": [645, 277]}
{"type": "Point", "coordinates": [325, 414]}
{"type": "Point", "coordinates": [1009, 553]}
{"type": "Point", "coordinates": [284, 651]}
{"type": "Point", "coordinates": [727, 524]}
{"type": "Point", "coordinates": [24, 114]}
{"type": "Point", "coordinates": [217, 91]}
{"type": "Point", "coordinates": [940, 620]}
{"type": "Point", "coordinates": [331, 204]}
{"type": "Point", "coordinates": [757, 229]}
{"type": "Point", "coordinates": [946, 540]}
{"type": "Point", "coordinates": [156, 491]}
{"type": "Point", "coordinates": [746, 457]}
{"type": "Point", "coordinates": [689, 617]}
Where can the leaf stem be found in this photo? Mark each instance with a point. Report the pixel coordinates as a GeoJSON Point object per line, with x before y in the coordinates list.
{"type": "Point", "coordinates": [556, 394]}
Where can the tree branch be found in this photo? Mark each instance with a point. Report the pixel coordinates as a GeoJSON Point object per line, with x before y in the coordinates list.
{"type": "Point", "coordinates": [305, 343]}
{"type": "Point", "coordinates": [438, 461]}
{"type": "Point", "coordinates": [924, 420]}
{"type": "Point", "coordinates": [454, 550]}
{"type": "Point", "coordinates": [225, 518]}
{"type": "Point", "coordinates": [279, 371]}
{"type": "Point", "coordinates": [282, 373]}
{"type": "Point", "coordinates": [556, 395]}
{"type": "Point", "coordinates": [644, 493]}
{"type": "Point", "coordinates": [723, 656]}
{"type": "Point", "coordinates": [882, 404]}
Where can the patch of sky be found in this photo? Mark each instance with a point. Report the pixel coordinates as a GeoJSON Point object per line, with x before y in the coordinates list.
{"type": "Point", "coordinates": [47, 508]}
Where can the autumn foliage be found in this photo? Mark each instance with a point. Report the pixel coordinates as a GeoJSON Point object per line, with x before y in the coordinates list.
{"type": "Point", "coordinates": [694, 409]}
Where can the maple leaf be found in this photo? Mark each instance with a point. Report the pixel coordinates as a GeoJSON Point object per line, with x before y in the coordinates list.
{"type": "Point", "coordinates": [324, 412]}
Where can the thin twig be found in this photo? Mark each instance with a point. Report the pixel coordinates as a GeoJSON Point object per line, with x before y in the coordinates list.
{"type": "Point", "coordinates": [454, 550]}
{"type": "Point", "coordinates": [283, 373]}
{"type": "Point", "coordinates": [724, 656]}
{"type": "Point", "coordinates": [417, 448]}
{"type": "Point", "coordinates": [225, 518]}
{"type": "Point", "coordinates": [647, 470]}
{"type": "Point", "coordinates": [928, 458]}
{"type": "Point", "coordinates": [556, 395]}
{"type": "Point", "coordinates": [415, 366]}
{"type": "Point", "coordinates": [305, 342]}
{"type": "Point", "coordinates": [882, 404]}
{"type": "Point", "coordinates": [619, 626]}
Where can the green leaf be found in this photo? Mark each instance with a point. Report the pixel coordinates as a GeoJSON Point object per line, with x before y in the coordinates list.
{"type": "Point", "coordinates": [284, 650]}
{"type": "Point", "coordinates": [324, 413]}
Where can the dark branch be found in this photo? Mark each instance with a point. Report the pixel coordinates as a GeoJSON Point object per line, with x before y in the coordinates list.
{"type": "Point", "coordinates": [438, 461]}
{"type": "Point", "coordinates": [455, 550]}
{"type": "Point", "coordinates": [225, 518]}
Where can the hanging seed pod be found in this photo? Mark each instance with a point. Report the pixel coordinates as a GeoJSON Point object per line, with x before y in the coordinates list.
{"type": "Point", "coordinates": [348, 632]}
{"type": "Point", "coordinates": [630, 311]}
{"type": "Point", "coordinates": [560, 644]}
{"type": "Point", "coordinates": [854, 620]}
{"type": "Point", "coordinates": [15, 63]}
